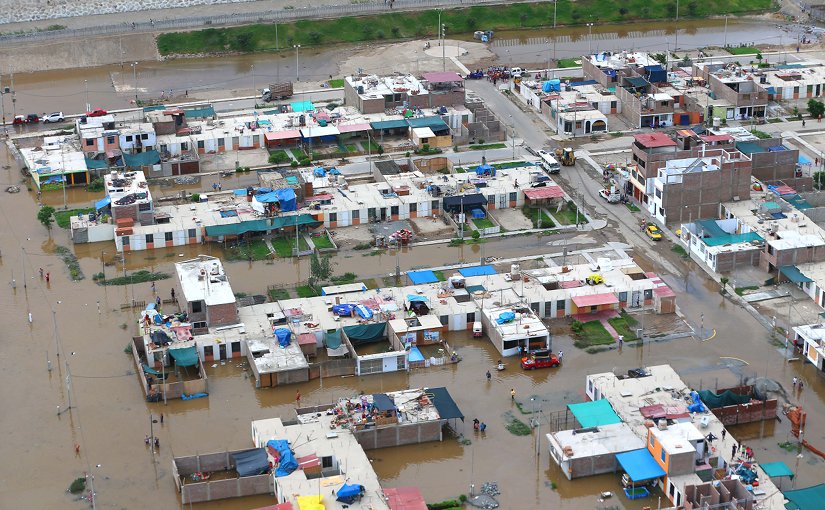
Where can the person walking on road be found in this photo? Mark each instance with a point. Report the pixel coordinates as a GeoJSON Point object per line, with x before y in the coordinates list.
{"type": "Point", "coordinates": [489, 375]}
{"type": "Point", "coordinates": [512, 394]}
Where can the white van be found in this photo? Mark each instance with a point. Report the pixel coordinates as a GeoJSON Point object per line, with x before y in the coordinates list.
{"type": "Point", "coordinates": [477, 329]}
{"type": "Point", "coordinates": [549, 163]}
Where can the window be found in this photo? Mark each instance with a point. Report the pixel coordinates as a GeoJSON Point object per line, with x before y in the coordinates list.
{"type": "Point", "coordinates": [663, 457]}
{"type": "Point", "coordinates": [796, 90]}
{"type": "Point", "coordinates": [221, 143]}
{"type": "Point", "coordinates": [658, 193]}
{"type": "Point", "coordinates": [110, 139]}
{"type": "Point", "coordinates": [371, 366]}
{"type": "Point", "coordinates": [401, 363]}
{"type": "Point", "coordinates": [623, 296]}
{"type": "Point", "coordinates": [444, 320]}
{"type": "Point", "coordinates": [326, 462]}
{"type": "Point", "coordinates": [144, 136]}
{"type": "Point", "coordinates": [200, 144]}
{"type": "Point", "coordinates": [613, 104]}
{"type": "Point", "coordinates": [90, 142]}
{"type": "Point", "coordinates": [192, 232]}
{"type": "Point", "coordinates": [333, 216]}
{"type": "Point", "coordinates": [128, 138]}
{"type": "Point", "coordinates": [649, 294]}
{"type": "Point", "coordinates": [665, 103]}
{"type": "Point", "coordinates": [167, 236]}
{"type": "Point", "coordinates": [513, 196]}
{"type": "Point", "coordinates": [125, 240]}
{"type": "Point", "coordinates": [371, 212]}
{"type": "Point", "coordinates": [197, 306]}
{"type": "Point", "coordinates": [207, 351]}
{"type": "Point", "coordinates": [578, 124]}
{"type": "Point", "coordinates": [413, 207]}
{"type": "Point", "coordinates": [560, 305]}
{"type": "Point", "coordinates": [491, 200]}
{"type": "Point", "coordinates": [394, 210]}
{"type": "Point", "coordinates": [199, 325]}
{"type": "Point", "coordinates": [235, 141]}
{"type": "Point", "coordinates": [434, 205]}
{"type": "Point", "coordinates": [236, 347]}
{"type": "Point", "coordinates": [548, 305]}
{"type": "Point", "coordinates": [163, 147]}
{"type": "Point", "coordinates": [590, 385]}
{"type": "Point", "coordinates": [510, 344]}
{"type": "Point", "coordinates": [471, 317]}
{"type": "Point", "coordinates": [184, 146]}
{"type": "Point", "coordinates": [146, 206]}
{"type": "Point", "coordinates": [150, 238]}
{"type": "Point", "coordinates": [652, 440]}
{"type": "Point", "coordinates": [671, 487]}
{"type": "Point", "coordinates": [356, 214]}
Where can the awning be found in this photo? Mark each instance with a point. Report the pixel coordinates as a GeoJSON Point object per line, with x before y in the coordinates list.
{"type": "Point", "coordinates": [389, 124]}
{"type": "Point", "coordinates": [640, 465]}
{"type": "Point", "coordinates": [606, 298]}
{"type": "Point", "coordinates": [206, 112]}
{"type": "Point", "coordinates": [236, 229]}
{"type": "Point", "coordinates": [323, 197]}
{"type": "Point", "coordinates": [96, 164]}
{"type": "Point", "coordinates": [477, 271]}
{"type": "Point", "coordinates": [435, 123]}
{"type": "Point", "coordinates": [794, 274]}
{"type": "Point", "coordinates": [292, 134]}
{"type": "Point", "coordinates": [365, 333]}
{"type": "Point", "coordinates": [141, 158]}
{"type": "Point", "coordinates": [777, 469]}
{"type": "Point", "coordinates": [444, 403]}
{"type": "Point", "coordinates": [422, 277]}
{"type": "Point", "coordinates": [354, 128]}
{"type": "Point", "coordinates": [291, 221]}
{"type": "Point", "coordinates": [594, 413]}
{"type": "Point", "coordinates": [185, 357]}
{"type": "Point", "coordinates": [423, 132]}
{"type": "Point", "coordinates": [103, 203]}
{"type": "Point", "coordinates": [316, 131]}
{"type": "Point", "coordinates": [466, 202]}
{"type": "Point", "coordinates": [805, 499]}
{"type": "Point", "coordinates": [543, 193]}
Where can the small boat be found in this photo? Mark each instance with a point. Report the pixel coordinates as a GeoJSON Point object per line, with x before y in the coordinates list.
{"type": "Point", "coordinates": [500, 366]}
{"type": "Point", "coordinates": [606, 494]}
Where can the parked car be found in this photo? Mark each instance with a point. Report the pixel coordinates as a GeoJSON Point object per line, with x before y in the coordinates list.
{"type": "Point", "coordinates": [653, 232]}
{"type": "Point", "coordinates": [54, 117]}
{"type": "Point", "coordinates": [540, 359]}
{"type": "Point", "coordinates": [99, 112]}
{"type": "Point", "coordinates": [31, 118]}
{"type": "Point", "coordinates": [612, 198]}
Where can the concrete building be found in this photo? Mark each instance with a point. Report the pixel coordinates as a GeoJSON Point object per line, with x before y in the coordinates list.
{"type": "Point", "coordinates": [642, 107]}
{"type": "Point", "coordinates": [377, 94]}
{"type": "Point", "coordinates": [58, 160]}
{"type": "Point", "coordinates": [206, 293]}
{"type": "Point", "coordinates": [678, 442]}
{"type": "Point", "coordinates": [774, 162]}
{"type": "Point", "coordinates": [722, 245]}
{"type": "Point", "coordinates": [609, 69]}
{"type": "Point", "coordinates": [592, 451]}
{"type": "Point", "coordinates": [129, 199]}
{"type": "Point", "coordinates": [694, 187]}
{"type": "Point", "coordinates": [810, 338]}
{"type": "Point", "coordinates": [739, 90]}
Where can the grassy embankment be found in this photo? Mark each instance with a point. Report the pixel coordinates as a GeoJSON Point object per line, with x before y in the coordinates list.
{"type": "Point", "coordinates": [402, 25]}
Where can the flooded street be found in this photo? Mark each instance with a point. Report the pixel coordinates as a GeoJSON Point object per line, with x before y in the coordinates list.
{"type": "Point", "coordinates": [109, 417]}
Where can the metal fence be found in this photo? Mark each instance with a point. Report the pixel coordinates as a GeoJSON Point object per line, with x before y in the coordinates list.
{"type": "Point", "coordinates": [269, 16]}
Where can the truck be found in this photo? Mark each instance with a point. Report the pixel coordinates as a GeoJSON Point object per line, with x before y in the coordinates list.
{"type": "Point", "coordinates": [611, 194]}
{"type": "Point", "coordinates": [540, 359]}
{"type": "Point", "coordinates": [277, 91]}
{"type": "Point", "coordinates": [566, 156]}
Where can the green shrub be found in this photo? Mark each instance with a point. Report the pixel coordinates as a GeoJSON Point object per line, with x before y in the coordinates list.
{"type": "Point", "coordinates": [196, 197]}
{"type": "Point", "coordinates": [577, 327]}
{"type": "Point", "coordinates": [78, 485]}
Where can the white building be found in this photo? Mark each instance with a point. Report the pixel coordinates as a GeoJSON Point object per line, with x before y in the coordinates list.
{"type": "Point", "coordinates": [811, 339]}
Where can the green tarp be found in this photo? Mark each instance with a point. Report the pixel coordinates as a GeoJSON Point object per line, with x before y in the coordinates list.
{"type": "Point", "coordinates": [776, 469]}
{"type": "Point", "coordinates": [365, 333]}
{"type": "Point", "coordinates": [141, 158]}
{"type": "Point", "coordinates": [185, 357]}
{"type": "Point", "coordinates": [332, 339]}
{"type": "Point", "coordinates": [200, 113]}
{"type": "Point", "coordinates": [805, 499]}
{"type": "Point", "coordinates": [93, 164]}
{"type": "Point", "coordinates": [290, 221]}
{"type": "Point", "coordinates": [728, 398]}
{"type": "Point", "coordinates": [594, 414]}
{"type": "Point", "coordinates": [389, 124]}
{"type": "Point", "coordinates": [265, 225]}
{"type": "Point", "coordinates": [793, 274]}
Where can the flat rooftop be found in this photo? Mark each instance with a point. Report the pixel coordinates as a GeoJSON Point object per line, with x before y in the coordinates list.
{"type": "Point", "coordinates": [376, 87]}
{"type": "Point", "coordinates": [204, 279]}
{"type": "Point", "coordinates": [604, 440]}
{"type": "Point", "coordinates": [354, 466]}
{"type": "Point", "coordinates": [676, 438]}
{"type": "Point", "coordinates": [127, 187]}
{"type": "Point", "coordinates": [777, 221]}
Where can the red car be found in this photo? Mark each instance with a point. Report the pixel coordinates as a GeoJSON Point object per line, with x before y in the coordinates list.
{"type": "Point", "coordinates": [540, 359]}
{"type": "Point", "coordinates": [100, 112]}
{"type": "Point", "coordinates": [31, 118]}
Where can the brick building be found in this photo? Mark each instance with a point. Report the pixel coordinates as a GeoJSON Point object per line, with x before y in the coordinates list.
{"type": "Point", "coordinates": [206, 293]}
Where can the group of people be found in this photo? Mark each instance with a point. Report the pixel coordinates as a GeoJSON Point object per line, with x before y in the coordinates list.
{"type": "Point", "coordinates": [797, 383]}
{"type": "Point", "coordinates": [746, 452]}
{"type": "Point", "coordinates": [479, 426]}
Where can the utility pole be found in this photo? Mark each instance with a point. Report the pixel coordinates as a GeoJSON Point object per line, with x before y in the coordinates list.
{"type": "Point", "coordinates": [590, 38]}
{"type": "Point", "coordinates": [3, 106]}
{"type": "Point", "coordinates": [134, 76]}
{"type": "Point", "coordinates": [297, 47]}
{"type": "Point", "coordinates": [443, 48]}
{"type": "Point", "coordinates": [86, 87]}
{"type": "Point", "coordinates": [726, 31]}
{"type": "Point", "coordinates": [676, 42]}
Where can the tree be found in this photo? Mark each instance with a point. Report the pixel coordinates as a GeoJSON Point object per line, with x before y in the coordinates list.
{"type": "Point", "coordinates": [816, 108]}
{"type": "Point", "coordinates": [319, 269]}
{"type": "Point", "coordinates": [819, 180]}
{"type": "Point", "coordinates": [724, 281]}
{"type": "Point", "coordinates": [46, 216]}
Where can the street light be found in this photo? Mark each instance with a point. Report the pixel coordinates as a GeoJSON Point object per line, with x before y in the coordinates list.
{"type": "Point", "coordinates": [297, 47]}
{"type": "Point", "coordinates": [443, 48]}
{"type": "Point", "coordinates": [134, 75]}
{"type": "Point", "coordinates": [590, 38]}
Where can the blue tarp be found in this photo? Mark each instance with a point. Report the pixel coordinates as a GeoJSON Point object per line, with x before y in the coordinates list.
{"type": "Point", "coordinates": [185, 357]}
{"type": "Point", "coordinates": [303, 106]}
{"type": "Point", "coordinates": [364, 312]}
{"type": "Point", "coordinates": [580, 83]}
{"type": "Point", "coordinates": [287, 463]}
{"type": "Point", "coordinates": [283, 335]}
{"type": "Point", "coordinates": [251, 462]}
{"type": "Point", "coordinates": [267, 197]}
{"type": "Point", "coordinates": [485, 169]}
{"type": "Point", "coordinates": [477, 271]}
{"type": "Point", "coordinates": [422, 277]}
{"type": "Point", "coordinates": [319, 171]}
{"type": "Point", "coordinates": [103, 203]}
{"type": "Point", "coordinates": [343, 309]}
{"type": "Point", "coordinates": [640, 465]}
{"type": "Point", "coordinates": [594, 413]}
{"type": "Point", "coordinates": [794, 274]}
{"type": "Point", "coordinates": [697, 406]}
{"type": "Point", "coordinates": [505, 317]}
{"type": "Point", "coordinates": [551, 86]}
{"type": "Point", "coordinates": [478, 213]}
{"type": "Point", "coordinates": [349, 492]}
{"type": "Point", "coordinates": [193, 396]}
{"type": "Point", "coordinates": [412, 298]}
{"type": "Point", "coordinates": [286, 196]}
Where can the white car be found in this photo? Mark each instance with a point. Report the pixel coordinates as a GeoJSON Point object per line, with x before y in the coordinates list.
{"type": "Point", "coordinates": [54, 117]}
{"type": "Point", "coordinates": [612, 198]}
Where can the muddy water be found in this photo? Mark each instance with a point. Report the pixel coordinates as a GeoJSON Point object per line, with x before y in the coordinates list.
{"type": "Point", "coordinates": [114, 86]}
{"type": "Point", "coordinates": [528, 47]}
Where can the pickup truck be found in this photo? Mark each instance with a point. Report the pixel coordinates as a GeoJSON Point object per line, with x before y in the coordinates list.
{"type": "Point", "coordinates": [612, 198]}
{"type": "Point", "coordinates": [540, 359]}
